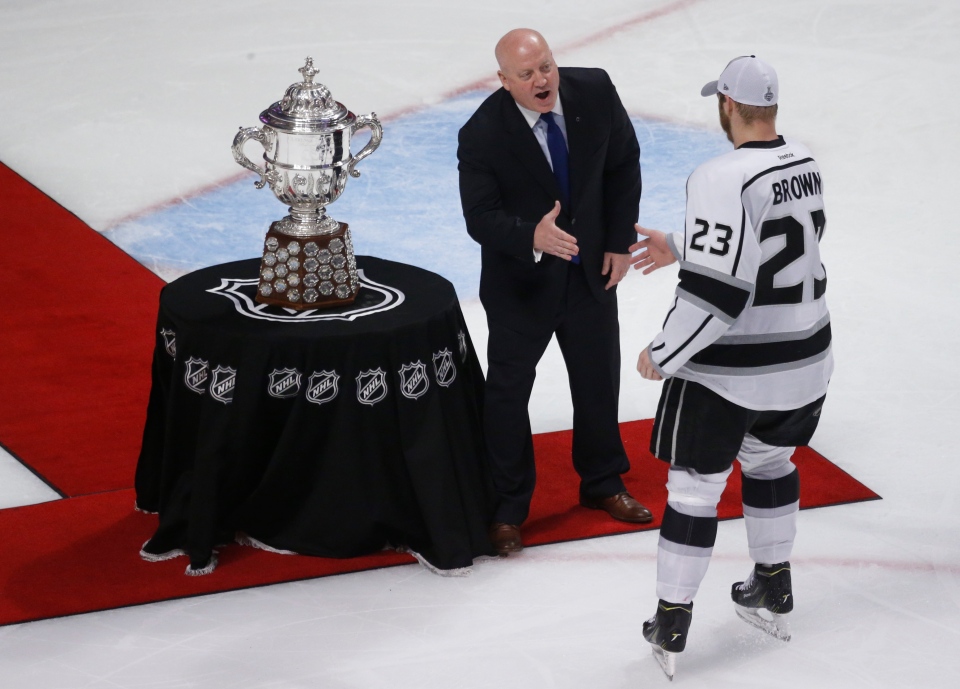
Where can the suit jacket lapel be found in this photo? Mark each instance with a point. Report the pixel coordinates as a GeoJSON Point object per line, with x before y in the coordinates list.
{"type": "Point", "coordinates": [525, 147]}
{"type": "Point", "coordinates": [576, 118]}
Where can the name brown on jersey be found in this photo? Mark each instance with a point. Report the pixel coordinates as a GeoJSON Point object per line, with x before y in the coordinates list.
{"type": "Point", "coordinates": [798, 186]}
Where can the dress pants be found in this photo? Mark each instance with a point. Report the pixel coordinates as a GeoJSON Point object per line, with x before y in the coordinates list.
{"type": "Point", "coordinates": [588, 333]}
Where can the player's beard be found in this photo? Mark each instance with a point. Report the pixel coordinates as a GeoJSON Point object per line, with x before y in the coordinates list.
{"type": "Point", "coordinates": [725, 122]}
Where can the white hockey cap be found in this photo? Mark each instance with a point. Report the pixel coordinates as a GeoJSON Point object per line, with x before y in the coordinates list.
{"type": "Point", "coordinates": [748, 80]}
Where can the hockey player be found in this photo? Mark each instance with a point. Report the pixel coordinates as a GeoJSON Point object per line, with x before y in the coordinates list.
{"type": "Point", "coordinates": [745, 353]}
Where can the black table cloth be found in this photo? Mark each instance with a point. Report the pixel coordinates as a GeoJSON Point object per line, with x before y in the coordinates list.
{"type": "Point", "coordinates": [327, 432]}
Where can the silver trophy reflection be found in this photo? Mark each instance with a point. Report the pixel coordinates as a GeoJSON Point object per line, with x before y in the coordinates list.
{"type": "Point", "coordinates": [308, 259]}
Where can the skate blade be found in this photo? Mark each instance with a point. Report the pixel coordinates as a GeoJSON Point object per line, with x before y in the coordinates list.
{"type": "Point", "coordinates": [776, 627]}
{"type": "Point", "coordinates": [667, 660]}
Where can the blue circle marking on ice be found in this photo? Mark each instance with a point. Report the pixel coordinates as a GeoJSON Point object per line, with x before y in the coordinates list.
{"type": "Point", "coordinates": [405, 206]}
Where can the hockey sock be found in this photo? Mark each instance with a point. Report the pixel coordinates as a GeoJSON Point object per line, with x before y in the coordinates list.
{"type": "Point", "coordinates": [770, 508]}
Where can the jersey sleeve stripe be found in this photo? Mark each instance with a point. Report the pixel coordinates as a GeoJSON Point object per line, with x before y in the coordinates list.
{"type": "Point", "coordinates": [724, 300]}
{"type": "Point", "coordinates": [689, 340]}
{"type": "Point", "coordinates": [716, 275]}
{"type": "Point", "coordinates": [670, 313]}
{"type": "Point", "coordinates": [704, 305]}
{"type": "Point", "coordinates": [672, 244]}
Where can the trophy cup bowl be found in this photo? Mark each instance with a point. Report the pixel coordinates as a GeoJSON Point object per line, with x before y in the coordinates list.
{"type": "Point", "coordinates": [308, 260]}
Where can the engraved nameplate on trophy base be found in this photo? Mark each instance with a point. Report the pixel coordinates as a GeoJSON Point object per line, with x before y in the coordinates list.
{"type": "Point", "coordinates": [308, 272]}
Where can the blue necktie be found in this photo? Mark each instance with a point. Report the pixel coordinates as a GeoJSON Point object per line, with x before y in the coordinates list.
{"type": "Point", "coordinates": [558, 156]}
{"type": "Point", "coordinates": [557, 146]}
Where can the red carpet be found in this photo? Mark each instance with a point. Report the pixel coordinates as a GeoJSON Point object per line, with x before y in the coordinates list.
{"type": "Point", "coordinates": [76, 340]}
{"type": "Point", "coordinates": [74, 380]}
{"type": "Point", "coordinates": [81, 554]}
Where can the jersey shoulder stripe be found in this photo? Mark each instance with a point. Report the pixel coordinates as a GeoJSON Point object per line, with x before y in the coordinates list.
{"type": "Point", "coordinates": [729, 299]}
{"type": "Point", "coordinates": [776, 168]}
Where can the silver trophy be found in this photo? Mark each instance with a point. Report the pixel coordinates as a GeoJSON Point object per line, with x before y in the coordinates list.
{"type": "Point", "coordinates": [308, 259]}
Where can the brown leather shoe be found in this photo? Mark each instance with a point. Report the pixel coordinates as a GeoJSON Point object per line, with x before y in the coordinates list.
{"type": "Point", "coordinates": [622, 506]}
{"type": "Point", "coordinates": [505, 538]}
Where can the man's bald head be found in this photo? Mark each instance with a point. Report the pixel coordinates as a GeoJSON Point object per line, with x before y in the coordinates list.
{"type": "Point", "coordinates": [518, 42]}
{"type": "Point", "coordinates": [527, 69]}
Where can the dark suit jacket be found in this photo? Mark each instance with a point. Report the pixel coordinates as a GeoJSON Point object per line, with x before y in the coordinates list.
{"type": "Point", "coordinates": [507, 186]}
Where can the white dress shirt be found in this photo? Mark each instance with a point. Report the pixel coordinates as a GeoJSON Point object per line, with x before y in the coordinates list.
{"type": "Point", "coordinates": [539, 128]}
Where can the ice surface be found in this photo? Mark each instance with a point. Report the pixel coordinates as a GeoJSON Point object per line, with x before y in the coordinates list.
{"type": "Point", "coordinates": [19, 486]}
{"type": "Point", "coordinates": [116, 109]}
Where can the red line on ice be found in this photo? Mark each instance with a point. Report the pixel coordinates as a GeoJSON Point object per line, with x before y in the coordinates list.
{"type": "Point", "coordinates": [475, 85]}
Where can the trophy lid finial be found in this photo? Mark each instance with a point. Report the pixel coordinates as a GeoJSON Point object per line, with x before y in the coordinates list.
{"type": "Point", "coordinates": [308, 71]}
{"type": "Point", "coordinates": [309, 101]}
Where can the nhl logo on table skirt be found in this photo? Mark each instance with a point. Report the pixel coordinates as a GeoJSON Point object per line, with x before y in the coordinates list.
{"type": "Point", "coordinates": [413, 380]}
{"type": "Point", "coordinates": [371, 386]}
{"type": "Point", "coordinates": [284, 383]}
{"type": "Point", "coordinates": [169, 342]}
{"type": "Point", "coordinates": [322, 386]}
{"type": "Point", "coordinates": [223, 383]}
{"type": "Point", "coordinates": [197, 372]}
{"type": "Point", "coordinates": [443, 367]}
{"type": "Point", "coordinates": [242, 292]}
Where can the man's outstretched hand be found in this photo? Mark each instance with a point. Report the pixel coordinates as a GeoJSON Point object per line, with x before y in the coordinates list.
{"type": "Point", "coordinates": [550, 239]}
{"type": "Point", "coordinates": [654, 252]}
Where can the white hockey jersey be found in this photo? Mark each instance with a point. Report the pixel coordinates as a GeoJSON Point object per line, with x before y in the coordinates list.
{"type": "Point", "coordinates": [750, 319]}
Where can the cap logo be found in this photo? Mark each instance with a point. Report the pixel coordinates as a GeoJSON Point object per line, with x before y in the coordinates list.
{"type": "Point", "coordinates": [768, 96]}
{"type": "Point", "coordinates": [725, 87]}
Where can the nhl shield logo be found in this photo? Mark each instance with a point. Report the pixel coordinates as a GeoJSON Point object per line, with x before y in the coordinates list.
{"type": "Point", "coordinates": [413, 380]}
{"type": "Point", "coordinates": [223, 383]}
{"type": "Point", "coordinates": [443, 367]}
{"type": "Point", "coordinates": [322, 386]}
{"type": "Point", "coordinates": [462, 342]}
{"type": "Point", "coordinates": [371, 386]}
{"type": "Point", "coordinates": [284, 383]}
{"type": "Point", "coordinates": [169, 342]}
{"type": "Point", "coordinates": [197, 372]}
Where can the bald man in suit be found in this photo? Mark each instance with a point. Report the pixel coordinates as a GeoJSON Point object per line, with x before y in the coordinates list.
{"type": "Point", "coordinates": [550, 188]}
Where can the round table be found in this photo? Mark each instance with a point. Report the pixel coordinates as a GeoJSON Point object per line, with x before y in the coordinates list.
{"type": "Point", "coordinates": [327, 432]}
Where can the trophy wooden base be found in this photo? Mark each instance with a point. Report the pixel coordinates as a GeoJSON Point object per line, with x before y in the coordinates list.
{"type": "Point", "coordinates": [312, 272]}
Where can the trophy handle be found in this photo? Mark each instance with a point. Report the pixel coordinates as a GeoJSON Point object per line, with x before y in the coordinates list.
{"type": "Point", "coordinates": [376, 129]}
{"type": "Point", "coordinates": [240, 139]}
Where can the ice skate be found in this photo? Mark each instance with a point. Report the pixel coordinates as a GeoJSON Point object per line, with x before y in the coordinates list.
{"type": "Point", "coordinates": [765, 598]}
{"type": "Point", "coordinates": [667, 633]}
